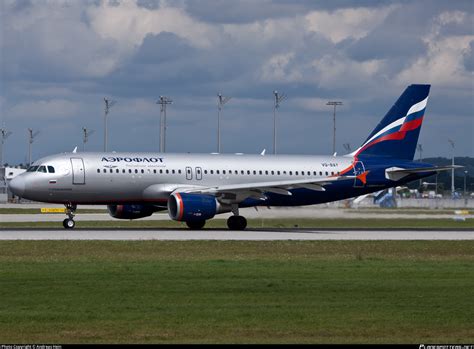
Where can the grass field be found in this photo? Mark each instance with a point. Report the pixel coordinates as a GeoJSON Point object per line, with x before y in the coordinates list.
{"type": "Point", "coordinates": [323, 223]}
{"type": "Point", "coordinates": [236, 292]}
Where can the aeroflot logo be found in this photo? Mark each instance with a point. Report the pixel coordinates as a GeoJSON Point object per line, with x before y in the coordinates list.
{"type": "Point", "coordinates": [119, 159]}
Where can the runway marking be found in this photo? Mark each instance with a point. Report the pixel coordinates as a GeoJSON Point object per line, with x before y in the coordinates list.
{"type": "Point", "coordinates": [248, 235]}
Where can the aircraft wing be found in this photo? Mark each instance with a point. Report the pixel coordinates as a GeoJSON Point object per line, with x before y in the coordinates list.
{"type": "Point", "coordinates": [397, 173]}
{"type": "Point", "coordinates": [239, 192]}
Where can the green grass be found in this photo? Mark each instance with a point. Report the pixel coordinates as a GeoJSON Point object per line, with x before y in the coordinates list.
{"type": "Point", "coordinates": [264, 224]}
{"type": "Point", "coordinates": [236, 292]}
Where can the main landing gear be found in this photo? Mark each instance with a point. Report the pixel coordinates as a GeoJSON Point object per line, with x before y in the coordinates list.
{"type": "Point", "coordinates": [69, 222]}
{"type": "Point", "coordinates": [236, 222]}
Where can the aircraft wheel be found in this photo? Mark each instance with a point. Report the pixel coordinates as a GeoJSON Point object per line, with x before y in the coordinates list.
{"type": "Point", "coordinates": [69, 223]}
{"type": "Point", "coordinates": [195, 225]}
{"type": "Point", "coordinates": [237, 223]}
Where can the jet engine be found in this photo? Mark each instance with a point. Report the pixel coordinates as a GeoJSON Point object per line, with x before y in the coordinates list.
{"type": "Point", "coordinates": [194, 207]}
{"type": "Point", "coordinates": [131, 211]}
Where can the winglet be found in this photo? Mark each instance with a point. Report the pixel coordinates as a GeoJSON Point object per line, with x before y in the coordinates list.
{"type": "Point", "coordinates": [75, 150]}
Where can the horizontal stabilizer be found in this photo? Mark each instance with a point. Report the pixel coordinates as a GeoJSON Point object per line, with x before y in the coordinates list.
{"type": "Point", "coordinates": [397, 173]}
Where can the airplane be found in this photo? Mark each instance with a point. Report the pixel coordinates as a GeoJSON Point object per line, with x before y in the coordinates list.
{"type": "Point", "coordinates": [193, 188]}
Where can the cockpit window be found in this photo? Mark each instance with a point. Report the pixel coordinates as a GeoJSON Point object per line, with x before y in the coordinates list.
{"type": "Point", "coordinates": [50, 169]}
{"type": "Point", "coordinates": [32, 169]}
{"type": "Point", "coordinates": [42, 169]}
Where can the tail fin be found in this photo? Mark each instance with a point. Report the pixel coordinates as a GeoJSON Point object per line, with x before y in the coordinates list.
{"type": "Point", "coordinates": [396, 136]}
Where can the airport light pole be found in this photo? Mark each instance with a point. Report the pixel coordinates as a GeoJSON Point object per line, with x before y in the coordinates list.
{"type": "Point", "coordinates": [4, 134]}
{"type": "Point", "coordinates": [452, 170]}
{"type": "Point", "coordinates": [221, 100]}
{"type": "Point", "coordinates": [278, 99]}
{"type": "Point", "coordinates": [108, 104]}
{"type": "Point", "coordinates": [419, 147]}
{"type": "Point", "coordinates": [334, 103]}
{"type": "Point", "coordinates": [347, 147]}
{"type": "Point", "coordinates": [465, 175]}
{"type": "Point", "coordinates": [163, 101]}
{"type": "Point", "coordinates": [31, 138]}
{"type": "Point", "coordinates": [85, 137]}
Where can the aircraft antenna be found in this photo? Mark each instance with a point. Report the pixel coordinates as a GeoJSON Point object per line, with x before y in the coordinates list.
{"type": "Point", "coordinates": [279, 97]}
{"type": "Point", "coordinates": [108, 104]}
{"type": "Point", "coordinates": [163, 101]}
{"type": "Point", "coordinates": [221, 100]}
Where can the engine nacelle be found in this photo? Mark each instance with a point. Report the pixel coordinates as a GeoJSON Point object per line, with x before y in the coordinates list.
{"type": "Point", "coordinates": [130, 211]}
{"type": "Point", "coordinates": [194, 207]}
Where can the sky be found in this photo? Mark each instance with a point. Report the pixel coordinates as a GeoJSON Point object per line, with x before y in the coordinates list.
{"type": "Point", "coordinates": [59, 59]}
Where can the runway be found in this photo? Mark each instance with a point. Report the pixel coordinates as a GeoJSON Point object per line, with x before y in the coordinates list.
{"type": "Point", "coordinates": [247, 235]}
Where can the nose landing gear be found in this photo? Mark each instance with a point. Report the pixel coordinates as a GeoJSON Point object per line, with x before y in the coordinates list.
{"type": "Point", "coordinates": [69, 222]}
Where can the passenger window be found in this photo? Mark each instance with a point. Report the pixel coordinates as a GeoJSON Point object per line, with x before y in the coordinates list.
{"type": "Point", "coordinates": [326, 173]}
{"type": "Point", "coordinates": [273, 172]}
{"type": "Point", "coordinates": [266, 172]}
{"type": "Point", "coordinates": [223, 171]}
{"type": "Point", "coordinates": [161, 171]}
{"type": "Point", "coordinates": [291, 173]}
{"type": "Point", "coordinates": [236, 172]}
{"type": "Point", "coordinates": [98, 170]}
{"type": "Point", "coordinates": [136, 171]}
{"type": "Point", "coordinates": [320, 173]}
{"type": "Point", "coordinates": [205, 171]}
{"type": "Point", "coordinates": [117, 170]}
{"type": "Point", "coordinates": [111, 171]}
{"type": "Point", "coordinates": [167, 171]}
{"type": "Point", "coordinates": [212, 171]}
{"type": "Point", "coordinates": [217, 171]}
{"type": "Point", "coordinates": [143, 171]}
{"type": "Point", "coordinates": [254, 172]}
{"type": "Point", "coordinates": [241, 171]}
{"type": "Point", "coordinates": [154, 171]}
{"type": "Point", "coordinates": [104, 170]}
{"type": "Point", "coordinates": [129, 170]}
{"type": "Point", "coordinates": [179, 171]}
{"type": "Point", "coordinates": [296, 173]}
{"type": "Point", "coordinates": [260, 172]}
{"type": "Point", "coordinates": [278, 172]}
{"type": "Point", "coordinates": [50, 169]}
{"type": "Point", "coordinates": [172, 171]}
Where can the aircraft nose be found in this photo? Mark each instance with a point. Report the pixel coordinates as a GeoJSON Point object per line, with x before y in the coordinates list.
{"type": "Point", "coordinates": [17, 185]}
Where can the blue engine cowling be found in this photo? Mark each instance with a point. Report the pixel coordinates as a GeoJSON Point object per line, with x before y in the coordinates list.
{"type": "Point", "coordinates": [192, 207]}
{"type": "Point", "coordinates": [131, 211]}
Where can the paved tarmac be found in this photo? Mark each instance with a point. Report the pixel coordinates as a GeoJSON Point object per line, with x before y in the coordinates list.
{"type": "Point", "coordinates": [211, 234]}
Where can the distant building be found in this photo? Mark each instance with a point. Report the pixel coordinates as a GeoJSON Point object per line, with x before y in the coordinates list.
{"type": "Point", "coordinates": [6, 175]}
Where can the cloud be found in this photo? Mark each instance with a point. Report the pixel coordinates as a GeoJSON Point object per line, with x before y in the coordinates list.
{"type": "Point", "coordinates": [443, 64]}
{"type": "Point", "coordinates": [346, 23]}
{"type": "Point", "coordinates": [44, 110]}
{"type": "Point", "coordinates": [128, 24]}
